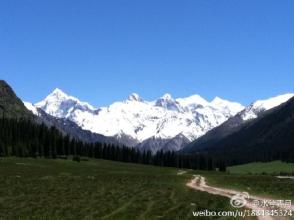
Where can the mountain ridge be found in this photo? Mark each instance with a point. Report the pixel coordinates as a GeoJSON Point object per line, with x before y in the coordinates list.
{"type": "Point", "coordinates": [265, 138]}
{"type": "Point", "coordinates": [138, 120]}
{"type": "Point", "coordinates": [67, 127]}
{"type": "Point", "coordinates": [234, 124]}
{"type": "Point", "coordinates": [149, 125]}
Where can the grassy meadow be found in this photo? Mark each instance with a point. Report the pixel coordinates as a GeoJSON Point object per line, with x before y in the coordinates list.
{"type": "Point", "coordinates": [274, 167]}
{"type": "Point", "coordinates": [98, 189]}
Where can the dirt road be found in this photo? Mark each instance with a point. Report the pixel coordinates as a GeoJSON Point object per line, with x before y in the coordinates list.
{"type": "Point", "coordinates": [199, 183]}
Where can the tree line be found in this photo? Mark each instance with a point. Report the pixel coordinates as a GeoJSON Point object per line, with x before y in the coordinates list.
{"type": "Point", "coordinates": [24, 138]}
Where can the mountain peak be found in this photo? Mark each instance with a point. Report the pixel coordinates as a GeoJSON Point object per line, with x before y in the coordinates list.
{"type": "Point", "coordinates": [134, 97]}
{"type": "Point", "coordinates": [193, 100]}
{"type": "Point", "coordinates": [58, 93]}
{"type": "Point", "coordinates": [59, 104]}
{"type": "Point", "coordinates": [166, 101]}
{"type": "Point", "coordinates": [166, 96]}
{"type": "Point", "coordinates": [57, 90]}
{"type": "Point", "coordinates": [225, 105]}
{"type": "Point", "coordinates": [218, 100]}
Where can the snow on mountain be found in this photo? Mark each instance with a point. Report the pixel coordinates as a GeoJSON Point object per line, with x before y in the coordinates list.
{"type": "Point", "coordinates": [31, 107]}
{"type": "Point", "coordinates": [154, 144]}
{"type": "Point", "coordinates": [192, 102]}
{"type": "Point", "coordinates": [167, 102]}
{"type": "Point", "coordinates": [235, 123]}
{"type": "Point", "coordinates": [164, 118]}
{"type": "Point", "coordinates": [135, 97]}
{"type": "Point", "coordinates": [226, 105]}
{"type": "Point", "coordinates": [61, 105]}
{"type": "Point", "coordinates": [253, 110]}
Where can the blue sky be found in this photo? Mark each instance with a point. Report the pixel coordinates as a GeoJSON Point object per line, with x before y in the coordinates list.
{"type": "Point", "coordinates": [103, 50]}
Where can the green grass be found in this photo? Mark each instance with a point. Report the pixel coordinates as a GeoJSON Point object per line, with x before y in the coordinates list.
{"type": "Point", "coordinates": [97, 189]}
{"type": "Point", "coordinates": [274, 167]}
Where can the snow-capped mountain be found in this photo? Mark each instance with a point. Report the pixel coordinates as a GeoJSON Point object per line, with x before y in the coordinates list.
{"type": "Point", "coordinates": [257, 107]}
{"type": "Point", "coordinates": [61, 105]}
{"type": "Point", "coordinates": [136, 120]}
{"type": "Point", "coordinates": [154, 144]}
{"type": "Point", "coordinates": [235, 123]}
{"type": "Point", "coordinates": [68, 127]}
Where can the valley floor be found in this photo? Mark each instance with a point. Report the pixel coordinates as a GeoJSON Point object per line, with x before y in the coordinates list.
{"type": "Point", "coordinates": [99, 189]}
